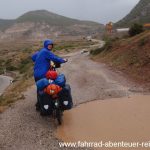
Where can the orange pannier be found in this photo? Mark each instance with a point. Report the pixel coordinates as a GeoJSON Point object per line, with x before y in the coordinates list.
{"type": "Point", "coordinates": [52, 89]}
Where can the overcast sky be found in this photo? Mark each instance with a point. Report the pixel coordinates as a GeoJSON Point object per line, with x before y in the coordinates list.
{"type": "Point", "coordinates": [96, 10]}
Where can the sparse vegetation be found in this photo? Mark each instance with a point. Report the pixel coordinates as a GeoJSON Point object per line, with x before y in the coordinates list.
{"type": "Point", "coordinates": [136, 29]}
{"type": "Point", "coordinates": [131, 55]}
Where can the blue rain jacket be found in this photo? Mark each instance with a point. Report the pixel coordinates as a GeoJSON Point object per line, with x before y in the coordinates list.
{"type": "Point", "coordinates": [42, 60]}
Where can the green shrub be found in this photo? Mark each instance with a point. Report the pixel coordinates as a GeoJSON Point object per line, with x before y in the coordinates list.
{"type": "Point", "coordinates": [136, 29]}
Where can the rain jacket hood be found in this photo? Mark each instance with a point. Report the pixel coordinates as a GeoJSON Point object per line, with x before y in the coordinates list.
{"type": "Point", "coordinates": [48, 42]}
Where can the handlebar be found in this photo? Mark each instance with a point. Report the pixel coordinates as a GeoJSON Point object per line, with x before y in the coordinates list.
{"type": "Point", "coordinates": [66, 60]}
{"type": "Point", "coordinates": [56, 64]}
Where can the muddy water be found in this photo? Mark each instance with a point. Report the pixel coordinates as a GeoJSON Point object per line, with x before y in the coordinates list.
{"type": "Point", "coordinates": [121, 119]}
{"type": "Point", "coordinates": [4, 83]}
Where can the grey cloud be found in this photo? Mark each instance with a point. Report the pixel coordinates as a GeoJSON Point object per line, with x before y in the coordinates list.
{"type": "Point", "coordinates": [96, 10]}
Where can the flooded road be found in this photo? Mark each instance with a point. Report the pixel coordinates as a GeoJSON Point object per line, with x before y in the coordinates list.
{"type": "Point", "coordinates": [118, 119]}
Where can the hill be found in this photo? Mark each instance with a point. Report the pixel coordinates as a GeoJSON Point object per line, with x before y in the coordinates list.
{"type": "Point", "coordinates": [140, 13]}
{"type": "Point", "coordinates": [50, 18]}
{"type": "Point", "coordinates": [4, 24]}
{"type": "Point", "coordinates": [130, 55]}
{"type": "Point", "coordinates": [43, 24]}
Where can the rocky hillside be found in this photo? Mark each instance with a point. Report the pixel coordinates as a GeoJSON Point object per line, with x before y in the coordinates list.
{"type": "Point", "coordinates": [43, 24]}
{"type": "Point", "coordinates": [130, 55]}
{"type": "Point", "coordinates": [140, 13]}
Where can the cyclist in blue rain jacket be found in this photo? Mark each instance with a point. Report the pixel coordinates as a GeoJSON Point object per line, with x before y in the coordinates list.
{"type": "Point", "coordinates": [42, 60]}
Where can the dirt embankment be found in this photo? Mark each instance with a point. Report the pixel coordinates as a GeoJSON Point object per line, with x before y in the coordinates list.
{"type": "Point", "coordinates": [130, 55]}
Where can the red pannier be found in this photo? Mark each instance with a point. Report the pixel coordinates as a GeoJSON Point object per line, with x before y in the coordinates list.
{"type": "Point", "coordinates": [51, 75]}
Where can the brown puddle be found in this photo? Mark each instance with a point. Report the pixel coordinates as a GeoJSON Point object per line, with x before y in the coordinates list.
{"type": "Point", "coordinates": [121, 119]}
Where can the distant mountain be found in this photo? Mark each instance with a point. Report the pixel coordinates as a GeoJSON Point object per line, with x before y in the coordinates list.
{"type": "Point", "coordinates": [140, 13]}
{"type": "Point", "coordinates": [42, 24]}
{"type": "Point", "coordinates": [49, 18]}
{"type": "Point", "coordinates": [4, 24]}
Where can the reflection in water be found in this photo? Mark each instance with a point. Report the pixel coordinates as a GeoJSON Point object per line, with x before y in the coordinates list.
{"type": "Point", "coordinates": [126, 119]}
